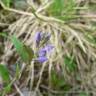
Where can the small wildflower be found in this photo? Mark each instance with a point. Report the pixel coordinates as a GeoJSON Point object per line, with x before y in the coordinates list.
{"type": "Point", "coordinates": [48, 48]}
{"type": "Point", "coordinates": [38, 37]}
{"type": "Point", "coordinates": [42, 59]}
{"type": "Point", "coordinates": [42, 52]}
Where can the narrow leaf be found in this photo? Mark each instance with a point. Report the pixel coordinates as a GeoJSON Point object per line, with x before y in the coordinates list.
{"type": "Point", "coordinates": [17, 71]}
{"type": "Point", "coordinates": [70, 63]}
{"type": "Point", "coordinates": [7, 2]}
{"type": "Point", "coordinates": [24, 51]}
{"type": "Point", "coordinates": [62, 9]}
{"type": "Point", "coordinates": [4, 73]}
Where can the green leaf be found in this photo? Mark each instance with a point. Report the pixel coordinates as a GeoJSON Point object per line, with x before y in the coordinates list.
{"type": "Point", "coordinates": [8, 88]}
{"type": "Point", "coordinates": [7, 2]}
{"type": "Point", "coordinates": [17, 71]}
{"type": "Point", "coordinates": [4, 73]}
{"type": "Point", "coordinates": [70, 63]}
{"type": "Point", "coordinates": [56, 7]}
{"type": "Point", "coordinates": [58, 82]}
{"type": "Point", "coordinates": [83, 94]}
{"type": "Point", "coordinates": [69, 6]}
{"type": "Point", "coordinates": [54, 78]}
{"type": "Point", "coordinates": [24, 51]}
{"type": "Point", "coordinates": [91, 39]}
{"type": "Point", "coordinates": [62, 9]}
{"type": "Point", "coordinates": [4, 35]}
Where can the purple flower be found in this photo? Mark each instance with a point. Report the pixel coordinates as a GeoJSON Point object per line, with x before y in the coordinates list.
{"type": "Point", "coordinates": [38, 37]}
{"type": "Point", "coordinates": [48, 48]}
{"type": "Point", "coordinates": [42, 52]}
{"type": "Point", "coordinates": [42, 59]}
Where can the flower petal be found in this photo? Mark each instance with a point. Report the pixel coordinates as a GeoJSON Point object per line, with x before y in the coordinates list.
{"type": "Point", "coordinates": [42, 52]}
{"type": "Point", "coordinates": [42, 59]}
{"type": "Point", "coordinates": [38, 37]}
{"type": "Point", "coordinates": [48, 48]}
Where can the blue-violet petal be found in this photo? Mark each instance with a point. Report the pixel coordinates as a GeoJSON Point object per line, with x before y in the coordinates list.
{"type": "Point", "coordinates": [42, 59]}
